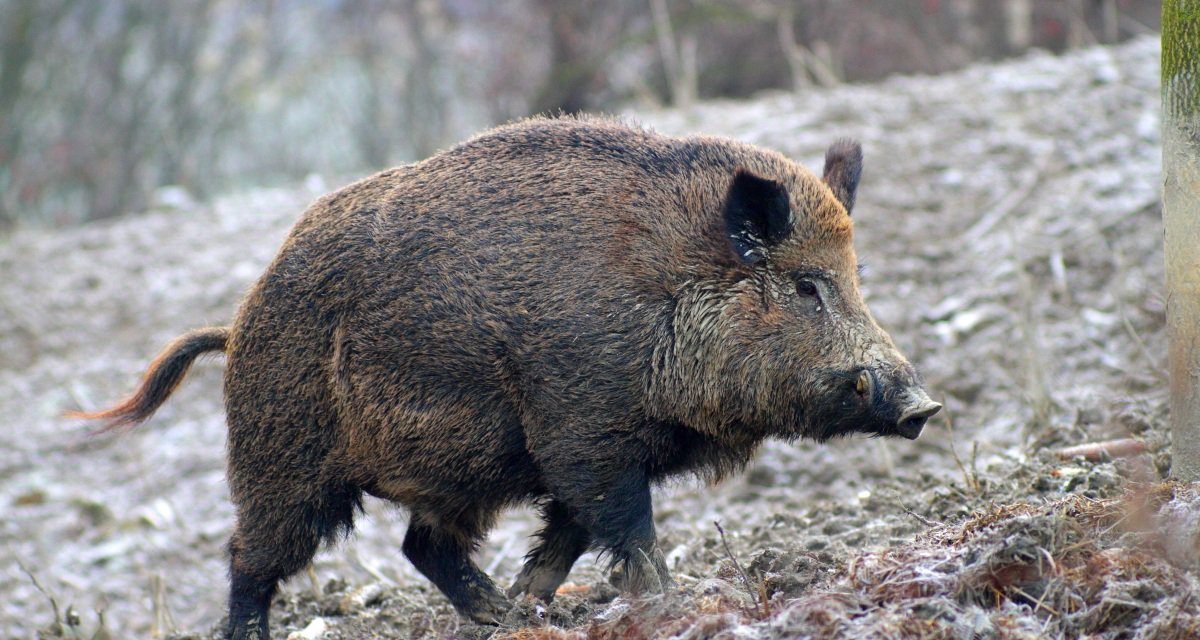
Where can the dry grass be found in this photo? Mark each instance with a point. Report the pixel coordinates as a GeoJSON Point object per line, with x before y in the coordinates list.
{"type": "Point", "coordinates": [1068, 568]}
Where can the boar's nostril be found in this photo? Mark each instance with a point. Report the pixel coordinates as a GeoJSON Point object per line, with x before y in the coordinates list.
{"type": "Point", "coordinates": [910, 424]}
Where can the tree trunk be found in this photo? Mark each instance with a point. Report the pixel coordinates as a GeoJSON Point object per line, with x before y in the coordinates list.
{"type": "Point", "coordinates": [1110, 17]}
{"type": "Point", "coordinates": [425, 103]}
{"type": "Point", "coordinates": [791, 49]}
{"type": "Point", "coordinates": [1181, 222]}
{"type": "Point", "coordinates": [1078, 33]}
{"type": "Point", "coordinates": [802, 61]}
{"type": "Point", "coordinates": [680, 78]}
{"type": "Point", "coordinates": [1018, 25]}
{"type": "Point", "coordinates": [16, 50]}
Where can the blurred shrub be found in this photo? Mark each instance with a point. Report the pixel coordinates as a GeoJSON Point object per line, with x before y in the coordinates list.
{"type": "Point", "coordinates": [102, 102]}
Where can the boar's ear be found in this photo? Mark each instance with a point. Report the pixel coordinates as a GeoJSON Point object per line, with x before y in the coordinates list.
{"type": "Point", "coordinates": [758, 215]}
{"type": "Point", "coordinates": [843, 168]}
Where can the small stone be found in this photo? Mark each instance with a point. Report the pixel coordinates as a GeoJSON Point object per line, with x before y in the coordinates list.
{"type": "Point", "coordinates": [314, 630]}
{"type": "Point", "coordinates": [358, 598]}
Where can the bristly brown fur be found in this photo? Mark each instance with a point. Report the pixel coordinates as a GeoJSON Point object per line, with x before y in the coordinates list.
{"type": "Point", "coordinates": [559, 310]}
{"type": "Point", "coordinates": [161, 379]}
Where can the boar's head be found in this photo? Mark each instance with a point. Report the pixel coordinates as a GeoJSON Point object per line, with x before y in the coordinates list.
{"type": "Point", "coordinates": [782, 343]}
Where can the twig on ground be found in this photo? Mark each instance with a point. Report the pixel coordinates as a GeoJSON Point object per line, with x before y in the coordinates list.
{"type": "Point", "coordinates": [975, 465]}
{"type": "Point", "coordinates": [164, 622]}
{"type": "Point", "coordinates": [761, 593]}
{"type": "Point", "coordinates": [101, 627]}
{"type": "Point", "coordinates": [80, 396]}
{"type": "Point", "coordinates": [314, 582]}
{"type": "Point", "coordinates": [920, 518]}
{"type": "Point", "coordinates": [885, 452]}
{"type": "Point", "coordinates": [1010, 202]}
{"type": "Point", "coordinates": [657, 578]}
{"type": "Point", "coordinates": [1156, 367]}
{"type": "Point", "coordinates": [501, 555]}
{"type": "Point", "coordinates": [372, 571]}
{"type": "Point", "coordinates": [1037, 604]}
{"type": "Point", "coordinates": [37, 585]}
{"type": "Point", "coordinates": [1145, 207]}
{"type": "Point", "coordinates": [970, 479]}
{"type": "Point", "coordinates": [1033, 361]}
{"type": "Point", "coordinates": [1098, 451]}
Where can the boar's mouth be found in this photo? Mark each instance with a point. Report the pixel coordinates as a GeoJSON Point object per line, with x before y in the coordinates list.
{"type": "Point", "coordinates": [865, 402]}
{"type": "Point", "coordinates": [827, 424]}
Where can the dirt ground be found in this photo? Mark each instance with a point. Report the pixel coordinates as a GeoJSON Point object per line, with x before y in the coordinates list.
{"type": "Point", "coordinates": [1009, 219]}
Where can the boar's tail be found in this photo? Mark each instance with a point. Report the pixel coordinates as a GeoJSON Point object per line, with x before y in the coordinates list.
{"type": "Point", "coordinates": [160, 380]}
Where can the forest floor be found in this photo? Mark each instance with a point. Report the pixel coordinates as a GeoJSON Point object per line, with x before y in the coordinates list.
{"type": "Point", "coordinates": [1009, 216]}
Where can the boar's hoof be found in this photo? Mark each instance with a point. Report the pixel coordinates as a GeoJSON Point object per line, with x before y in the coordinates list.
{"type": "Point", "coordinates": [539, 582]}
{"type": "Point", "coordinates": [642, 573]}
{"type": "Point", "coordinates": [489, 608]}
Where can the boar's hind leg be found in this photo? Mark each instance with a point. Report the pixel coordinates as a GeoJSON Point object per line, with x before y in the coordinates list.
{"type": "Point", "coordinates": [273, 540]}
{"type": "Point", "coordinates": [561, 542]}
{"type": "Point", "coordinates": [444, 556]}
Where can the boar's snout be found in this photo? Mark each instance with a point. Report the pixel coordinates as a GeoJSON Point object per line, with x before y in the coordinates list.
{"type": "Point", "coordinates": [901, 405]}
{"type": "Point", "coordinates": [912, 420]}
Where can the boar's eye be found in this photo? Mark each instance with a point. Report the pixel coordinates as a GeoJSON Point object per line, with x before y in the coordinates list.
{"type": "Point", "coordinates": [807, 288]}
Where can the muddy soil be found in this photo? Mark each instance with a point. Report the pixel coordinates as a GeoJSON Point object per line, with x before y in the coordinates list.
{"type": "Point", "coordinates": [1009, 219]}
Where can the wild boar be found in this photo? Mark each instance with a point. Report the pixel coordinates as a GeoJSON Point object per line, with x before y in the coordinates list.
{"type": "Point", "coordinates": [560, 311]}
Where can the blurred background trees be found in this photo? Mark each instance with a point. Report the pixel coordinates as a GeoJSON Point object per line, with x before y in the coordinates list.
{"type": "Point", "coordinates": [104, 103]}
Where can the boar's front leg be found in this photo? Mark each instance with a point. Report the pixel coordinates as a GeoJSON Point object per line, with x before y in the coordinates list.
{"type": "Point", "coordinates": [611, 498]}
{"type": "Point", "coordinates": [638, 565]}
{"type": "Point", "coordinates": [560, 543]}
{"type": "Point", "coordinates": [444, 556]}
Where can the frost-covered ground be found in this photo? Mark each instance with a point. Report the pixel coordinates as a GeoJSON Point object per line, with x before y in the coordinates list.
{"type": "Point", "coordinates": [1009, 220]}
